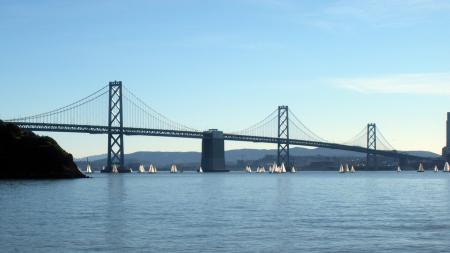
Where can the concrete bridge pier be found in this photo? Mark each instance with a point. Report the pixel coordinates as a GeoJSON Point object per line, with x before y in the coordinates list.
{"type": "Point", "coordinates": [213, 151]}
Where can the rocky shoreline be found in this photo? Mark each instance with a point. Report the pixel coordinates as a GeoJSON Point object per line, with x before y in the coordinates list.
{"type": "Point", "coordinates": [25, 155]}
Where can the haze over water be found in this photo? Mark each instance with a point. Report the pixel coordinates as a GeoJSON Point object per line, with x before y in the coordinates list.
{"type": "Point", "coordinates": [233, 212]}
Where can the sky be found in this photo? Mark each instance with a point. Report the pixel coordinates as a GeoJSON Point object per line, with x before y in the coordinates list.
{"type": "Point", "coordinates": [227, 64]}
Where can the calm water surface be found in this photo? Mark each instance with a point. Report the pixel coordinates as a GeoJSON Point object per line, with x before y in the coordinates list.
{"type": "Point", "coordinates": [234, 212]}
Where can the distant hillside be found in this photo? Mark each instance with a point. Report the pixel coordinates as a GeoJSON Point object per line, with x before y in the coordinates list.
{"type": "Point", "coordinates": [231, 156]}
{"type": "Point", "coordinates": [423, 153]}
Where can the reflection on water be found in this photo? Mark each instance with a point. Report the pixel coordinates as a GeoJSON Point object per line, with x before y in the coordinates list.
{"type": "Point", "coordinates": [234, 212]}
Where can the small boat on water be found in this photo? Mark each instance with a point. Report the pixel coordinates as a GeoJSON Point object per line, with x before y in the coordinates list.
{"type": "Point", "coordinates": [260, 170]}
{"type": "Point", "coordinates": [283, 168]}
{"type": "Point", "coordinates": [446, 167]}
{"type": "Point", "coordinates": [346, 169]}
{"type": "Point", "coordinates": [152, 169]}
{"type": "Point", "coordinates": [173, 169]}
{"type": "Point", "coordinates": [273, 168]}
{"type": "Point", "coordinates": [248, 169]}
{"type": "Point", "coordinates": [200, 170]}
{"type": "Point", "coordinates": [341, 169]}
{"type": "Point", "coordinates": [399, 169]}
{"type": "Point", "coordinates": [141, 168]}
{"type": "Point", "coordinates": [421, 168]}
{"type": "Point", "coordinates": [293, 170]}
{"type": "Point", "coordinates": [436, 169]}
{"type": "Point", "coordinates": [88, 169]}
{"type": "Point", "coordinates": [114, 169]}
{"type": "Point", "coordinates": [352, 170]}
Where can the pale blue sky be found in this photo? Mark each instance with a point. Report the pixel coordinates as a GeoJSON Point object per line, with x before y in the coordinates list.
{"type": "Point", "coordinates": [227, 64]}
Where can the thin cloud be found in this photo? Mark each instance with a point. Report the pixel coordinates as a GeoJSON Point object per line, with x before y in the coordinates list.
{"type": "Point", "coordinates": [430, 83]}
{"type": "Point", "coordinates": [346, 14]}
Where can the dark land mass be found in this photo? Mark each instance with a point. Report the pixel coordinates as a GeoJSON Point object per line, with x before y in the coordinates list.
{"type": "Point", "coordinates": [25, 155]}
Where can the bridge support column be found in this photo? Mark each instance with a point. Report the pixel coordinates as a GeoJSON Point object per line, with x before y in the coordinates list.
{"type": "Point", "coordinates": [115, 129]}
{"type": "Point", "coordinates": [213, 151]}
{"type": "Point", "coordinates": [371, 161]}
{"type": "Point", "coordinates": [283, 134]}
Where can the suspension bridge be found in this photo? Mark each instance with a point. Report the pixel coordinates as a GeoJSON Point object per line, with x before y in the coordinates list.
{"type": "Point", "coordinates": [127, 114]}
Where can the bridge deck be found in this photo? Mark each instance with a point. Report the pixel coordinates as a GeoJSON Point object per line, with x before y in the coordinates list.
{"type": "Point", "coordinates": [198, 135]}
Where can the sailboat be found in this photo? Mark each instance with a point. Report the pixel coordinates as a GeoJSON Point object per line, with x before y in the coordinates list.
{"type": "Point", "coordinates": [200, 170]}
{"type": "Point", "coordinates": [88, 169]}
{"type": "Point", "coordinates": [446, 167]}
{"type": "Point", "coordinates": [273, 168]}
{"type": "Point", "coordinates": [399, 169]}
{"type": "Point", "coordinates": [293, 169]}
{"type": "Point", "coordinates": [341, 169]}
{"type": "Point", "coordinates": [283, 168]}
{"type": "Point", "coordinates": [173, 169]}
{"type": "Point", "coordinates": [352, 170]}
{"type": "Point", "coordinates": [436, 169]}
{"type": "Point", "coordinates": [152, 169]}
{"type": "Point", "coordinates": [421, 169]}
{"type": "Point", "coordinates": [346, 169]}
{"type": "Point", "coordinates": [114, 169]}
{"type": "Point", "coordinates": [248, 169]}
{"type": "Point", "coordinates": [141, 168]}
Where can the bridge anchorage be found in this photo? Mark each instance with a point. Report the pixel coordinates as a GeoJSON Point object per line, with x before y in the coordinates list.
{"type": "Point", "coordinates": [128, 115]}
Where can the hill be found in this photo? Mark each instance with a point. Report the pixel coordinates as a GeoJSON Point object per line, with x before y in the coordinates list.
{"type": "Point", "coordinates": [25, 155]}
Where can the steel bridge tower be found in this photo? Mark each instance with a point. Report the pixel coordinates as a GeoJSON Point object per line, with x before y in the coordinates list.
{"type": "Point", "coordinates": [115, 128]}
{"type": "Point", "coordinates": [283, 133]}
{"type": "Point", "coordinates": [371, 145]}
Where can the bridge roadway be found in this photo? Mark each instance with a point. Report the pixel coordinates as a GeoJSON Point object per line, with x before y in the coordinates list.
{"type": "Point", "coordinates": [91, 129]}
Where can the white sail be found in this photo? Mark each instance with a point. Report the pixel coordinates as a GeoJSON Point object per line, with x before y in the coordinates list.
{"type": "Point", "coordinates": [141, 168]}
{"type": "Point", "coordinates": [446, 167]}
{"type": "Point", "coordinates": [293, 169]}
{"type": "Point", "coordinates": [173, 169]}
{"type": "Point", "coordinates": [421, 168]}
{"type": "Point", "coordinates": [274, 168]}
{"type": "Point", "coordinates": [341, 169]}
{"type": "Point", "coordinates": [88, 169]}
{"type": "Point", "coordinates": [114, 169]}
{"type": "Point", "coordinates": [152, 169]}
{"type": "Point", "coordinates": [248, 169]}
{"type": "Point", "coordinates": [283, 168]}
{"type": "Point", "coordinates": [200, 170]}
{"type": "Point", "coordinates": [399, 169]}
{"type": "Point", "coordinates": [346, 169]}
{"type": "Point", "coordinates": [436, 169]}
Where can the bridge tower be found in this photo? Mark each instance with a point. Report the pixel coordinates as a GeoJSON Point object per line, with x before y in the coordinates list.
{"type": "Point", "coordinates": [283, 134]}
{"type": "Point", "coordinates": [446, 149]}
{"type": "Point", "coordinates": [371, 161]}
{"type": "Point", "coordinates": [115, 128]}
